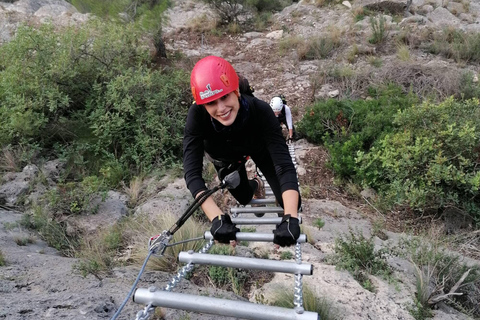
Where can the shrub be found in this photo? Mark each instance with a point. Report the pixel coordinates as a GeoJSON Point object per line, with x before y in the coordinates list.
{"type": "Point", "coordinates": [318, 48]}
{"type": "Point", "coordinates": [91, 89]}
{"type": "Point", "coordinates": [319, 223]}
{"type": "Point", "coordinates": [98, 252]}
{"type": "Point", "coordinates": [348, 126]}
{"type": "Point", "coordinates": [286, 255]}
{"type": "Point", "coordinates": [379, 30]}
{"type": "Point", "coordinates": [356, 254]}
{"type": "Point", "coordinates": [2, 259]}
{"type": "Point", "coordinates": [53, 232]}
{"type": "Point", "coordinates": [138, 118]}
{"type": "Point", "coordinates": [76, 197]}
{"type": "Point", "coordinates": [468, 87]}
{"type": "Point", "coordinates": [457, 44]}
{"type": "Point", "coordinates": [431, 161]}
{"type": "Point", "coordinates": [439, 272]}
{"type": "Point", "coordinates": [228, 11]}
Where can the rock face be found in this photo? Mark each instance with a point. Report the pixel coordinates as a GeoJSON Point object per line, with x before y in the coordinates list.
{"type": "Point", "coordinates": [37, 283]}
{"type": "Point", "coordinates": [16, 185]}
{"type": "Point", "coordinates": [57, 12]}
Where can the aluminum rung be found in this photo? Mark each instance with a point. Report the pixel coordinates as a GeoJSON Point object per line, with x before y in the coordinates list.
{"type": "Point", "coordinates": [268, 193]}
{"type": "Point", "coordinates": [217, 306]}
{"type": "Point", "coordinates": [263, 201]}
{"type": "Point", "coordinates": [254, 236]}
{"type": "Point", "coordinates": [245, 263]}
{"type": "Point", "coordinates": [245, 221]}
{"type": "Point", "coordinates": [256, 210]}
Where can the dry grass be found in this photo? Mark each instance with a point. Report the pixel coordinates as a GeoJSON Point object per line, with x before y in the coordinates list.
{"type": "Point", "coordinates": [134, 191]}
{"type": "Point", "coordinates": [426, 81]}
{"type": "Point", "coordinates": [442, 276]}
{"type": "Point", "coordinates": [202, 23]}
{"type": "Point", "coordinates": [307, 230]}
{"type": "Point", "coordinates": [290, 43]}
{"type": "Point", "coordinates": [8, 161]}
{"type": "Point", "coordinates": [284, 297]}
{"type": "Point", "coordinates": [142, 227]}
{"type": "Point", "coordinates": [468, 244]}
{"type": "Point", "coordinates": [403, 52]}
{"type": "Point", "coordinates": [12, 158]}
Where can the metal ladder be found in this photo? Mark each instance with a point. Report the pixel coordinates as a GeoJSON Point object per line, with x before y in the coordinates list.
{"type": "Point", "coordinates": [241, 215]}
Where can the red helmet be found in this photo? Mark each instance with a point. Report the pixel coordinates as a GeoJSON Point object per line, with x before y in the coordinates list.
{"type": "Point", "coordinates": [212, 78]}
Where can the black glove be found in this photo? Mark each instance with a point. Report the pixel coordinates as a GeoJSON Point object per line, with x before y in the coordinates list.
{"type": "Point", "coordinates": [223, 230]}
{"type": "Point", "coordinates": [287, 232]}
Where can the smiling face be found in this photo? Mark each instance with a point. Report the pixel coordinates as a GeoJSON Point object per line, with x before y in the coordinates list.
{"type": "Point", "coordinates": [224, 109]}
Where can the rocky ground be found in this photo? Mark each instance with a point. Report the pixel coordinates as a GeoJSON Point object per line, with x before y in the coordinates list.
{"type": "Point", "coordinates": [37, 283]}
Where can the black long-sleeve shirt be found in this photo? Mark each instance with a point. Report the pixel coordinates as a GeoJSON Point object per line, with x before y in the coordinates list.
{"type": "Point", "coordinates": [255, 133]}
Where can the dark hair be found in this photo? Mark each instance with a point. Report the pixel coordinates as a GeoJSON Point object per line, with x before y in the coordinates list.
{"type": "Point", "coordinates": [244, 86]}
{"type": "Point", "coordinates": [284, 100]}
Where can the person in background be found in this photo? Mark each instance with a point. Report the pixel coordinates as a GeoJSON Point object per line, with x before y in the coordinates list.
{"type": "Point", "coordinates": [244, 86]}
{"type": "Point", "coordinates": [228, 127]}
{"type": "Point", "coordinates": [284, 115]}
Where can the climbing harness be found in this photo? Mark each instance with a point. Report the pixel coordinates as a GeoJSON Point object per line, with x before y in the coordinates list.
{"type": "Point", "coordinates": [153, 297]}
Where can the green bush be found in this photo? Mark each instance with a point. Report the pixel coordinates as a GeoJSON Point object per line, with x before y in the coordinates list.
{"type": "Point", "coordinates": [229, 278]}
{"type": "Point", "coordinates": [53, 232]}
{"type": "Point", "coordinates": [76, 197]}
{"type": "Point", "coordinates": [99, 252]}
{"type": "Point", "coordinates": [137, 117]}
{"type": "Point", "coordinates": [355, 253]}
{"type": "Point", "coordinates": [379, 29]}
{"type": "Point", "coordinates": [91, 89]}
{"type": "Point", "coordinates": [431, 160]}
{"type": "Point", "coordinates": [349, 126]}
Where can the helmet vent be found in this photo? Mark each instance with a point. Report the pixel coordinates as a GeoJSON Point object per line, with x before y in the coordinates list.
{"type": "Point", "coordinates": [225, 80]}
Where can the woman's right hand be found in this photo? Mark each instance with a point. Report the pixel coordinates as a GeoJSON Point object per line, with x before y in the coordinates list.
{"type": "Point", "coordinates": [223, 230]}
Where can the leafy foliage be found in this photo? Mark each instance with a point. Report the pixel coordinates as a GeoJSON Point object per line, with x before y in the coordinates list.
{"type": "Point", "coordinates": [349, 126]}
{"type": "Point", "coordinates": [76, 198]}
{"type": "Point", "coordinates": [354, 252]}
{"type": "Point", "coordinates": [51, 231]}
{"type": "Point", "coordinates": [91, 93]}
{"type": "Point", "coordinates": [431, 160]}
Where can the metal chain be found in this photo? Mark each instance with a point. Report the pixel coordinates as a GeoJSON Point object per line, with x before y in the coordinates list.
{"type": "Point", "coordinates": [146, 313]}
{"type": "Point", "coordinates": [186, 269]}
{"type": "Point", "coordinates": [149, 310]}
{"type": "Point", "coordinates": [298, 293]}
